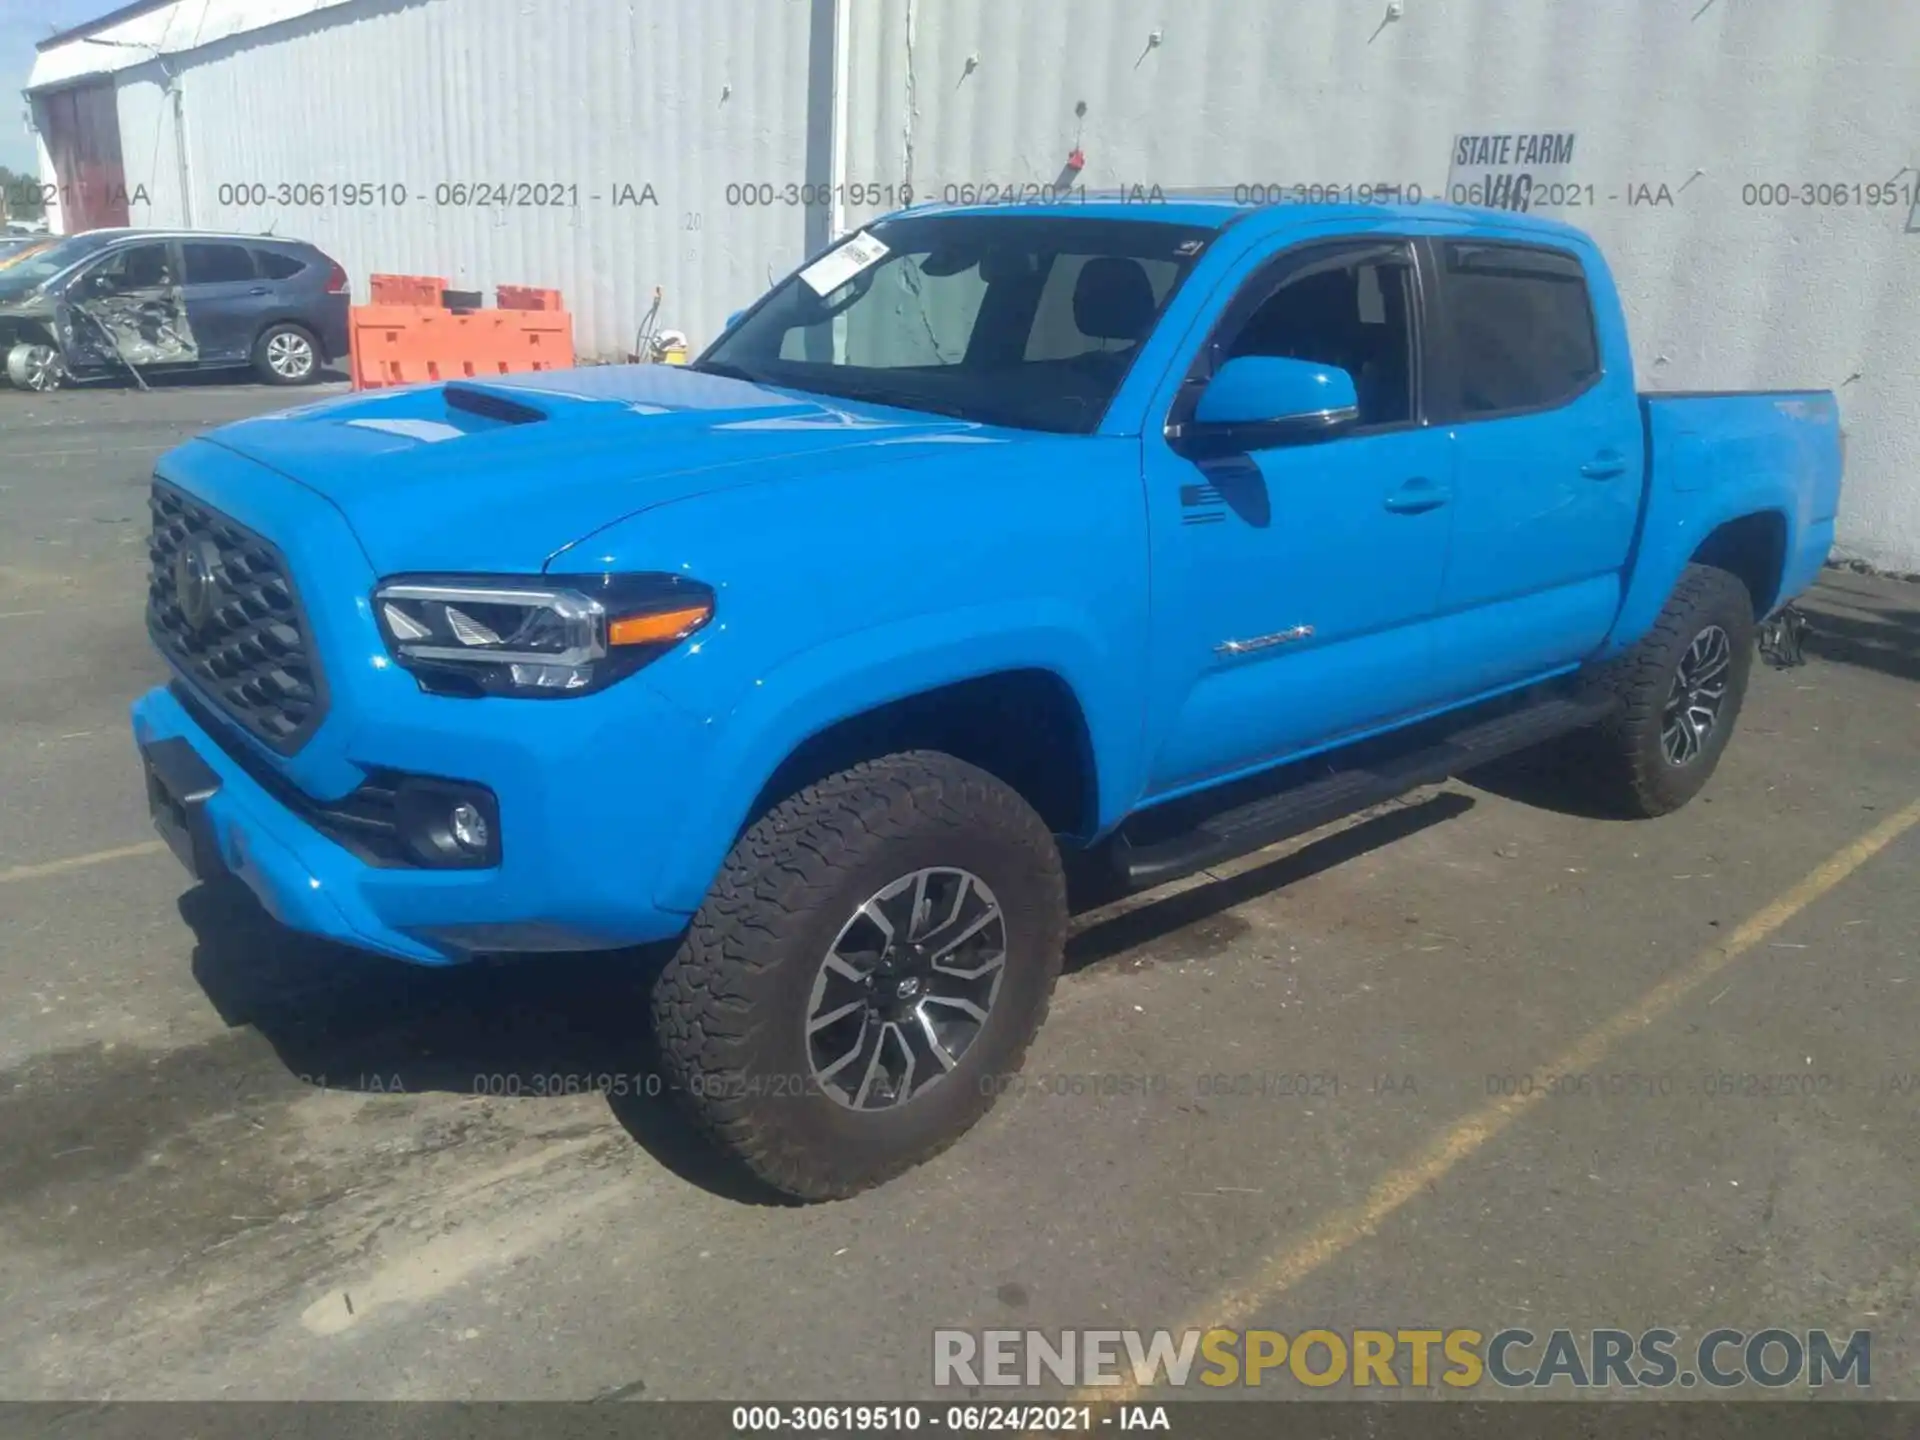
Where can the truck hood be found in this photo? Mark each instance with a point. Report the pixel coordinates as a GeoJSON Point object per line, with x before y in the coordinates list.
{"type": "Point", "coordinates": [504, 474]}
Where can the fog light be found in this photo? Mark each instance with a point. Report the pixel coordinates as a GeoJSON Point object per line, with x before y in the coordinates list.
{"type": "Point", "coordinates": [469, 827]}
{"type": "Point", "coordinates": [448, 823]}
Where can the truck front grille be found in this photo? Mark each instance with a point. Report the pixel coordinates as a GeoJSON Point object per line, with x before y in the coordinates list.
{"type": "Point", "coordinates": [222, 607]}
{"type": "Point", "coordinates": [365, 823]}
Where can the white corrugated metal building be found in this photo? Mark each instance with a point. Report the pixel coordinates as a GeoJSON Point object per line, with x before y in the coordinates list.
{"type": "Point", "coordinates": [1749, 164]}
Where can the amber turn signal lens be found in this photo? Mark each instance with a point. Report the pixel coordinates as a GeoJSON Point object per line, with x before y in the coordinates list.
{"type": "Point", "coordinates": [654, 629]}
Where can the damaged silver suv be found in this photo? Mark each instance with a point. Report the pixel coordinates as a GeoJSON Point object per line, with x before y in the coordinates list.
{"type": "Point", "coordinates": [112, 302]}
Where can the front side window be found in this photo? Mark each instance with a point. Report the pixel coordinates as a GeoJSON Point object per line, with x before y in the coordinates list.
{"type": "Point", "coordinates": [1519, 327]}
{"type": "Point", "coordinates": [137, 267]}
{"type": "Point", "coordinates": [1354, 312]}
{"type": "Point", "coordinates": [1024, 320]}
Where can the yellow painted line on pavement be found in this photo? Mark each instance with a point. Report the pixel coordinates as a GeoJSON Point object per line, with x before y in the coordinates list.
{"type": "Point", "coordinates": [77, 862]}
{"type": "Point", "coordinates": [1343, 1229]}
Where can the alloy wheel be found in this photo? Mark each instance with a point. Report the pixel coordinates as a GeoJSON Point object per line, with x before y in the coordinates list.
{"type": "Point", "coordinates": [906, 988]}
{"type": "Point", "coordinates": [1698, 693]}
{"type": "Point", "coordinates": [290, 356]}
{"type": "Point", "coordinates": [36, 367]}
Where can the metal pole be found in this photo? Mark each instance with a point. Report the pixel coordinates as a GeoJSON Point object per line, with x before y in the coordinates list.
{"type": "Point", "coordinates": [180, 150]}
{"type": "Point", "coordinates": [839, 140]}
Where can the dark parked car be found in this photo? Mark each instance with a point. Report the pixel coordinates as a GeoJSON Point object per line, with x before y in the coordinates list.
{"type": "Point", "coordinates": [108, 301]}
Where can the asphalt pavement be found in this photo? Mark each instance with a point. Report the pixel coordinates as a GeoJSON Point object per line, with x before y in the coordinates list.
{"type": "Point", "coordinates": [1478, 1060]}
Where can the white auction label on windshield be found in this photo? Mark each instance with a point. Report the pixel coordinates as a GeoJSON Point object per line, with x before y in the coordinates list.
{"type": "Point", "coordinates": [843, 262]}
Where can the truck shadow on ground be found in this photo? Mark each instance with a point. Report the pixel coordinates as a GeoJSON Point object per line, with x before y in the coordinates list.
{"type": "Point", "coordinates": [551, 1026]}
{"type": "Point", "coordinates": [1554, 777]}
{"type": "Point", "coordinates": [533, 1029]}
{"type": "Point", "coordinates": [1167, 921]}
{"type": "Point", "coordinates": [1874, 636]}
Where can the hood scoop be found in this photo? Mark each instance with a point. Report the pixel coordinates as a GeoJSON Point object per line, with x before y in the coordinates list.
{"type": "Point", "coordinates": [490, 405]}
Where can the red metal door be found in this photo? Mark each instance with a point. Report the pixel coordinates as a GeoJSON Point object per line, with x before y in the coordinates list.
{"type": "Point", "coordinates": [83, 137]}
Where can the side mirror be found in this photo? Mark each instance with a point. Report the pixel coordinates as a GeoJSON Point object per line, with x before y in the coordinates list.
{"type": "Point", "coordinates": [1259, 400]}
{"type": "Point", "coordinates": [734, 318]}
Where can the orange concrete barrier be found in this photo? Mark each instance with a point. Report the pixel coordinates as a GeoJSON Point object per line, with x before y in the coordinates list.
{"type": "Point", "coordinates": [406, 289]}
{"type": "Point", "coordinates": [526, 297]}
{"type": "Point", "coordinates": [543, 340]}
{"type": "Point", "coordinates": [421, 344]}
{"type": "Point", "coordinates": [382, 344]}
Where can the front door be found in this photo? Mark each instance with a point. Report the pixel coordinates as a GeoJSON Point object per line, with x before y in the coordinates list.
{"type": "Point", "coordinates": [1294, 587]}
{"type": "Point", "coordinates": [127, 308]}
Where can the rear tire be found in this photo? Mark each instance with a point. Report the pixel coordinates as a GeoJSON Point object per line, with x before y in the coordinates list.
{"type": "Point", "coordinates": [287, 355]}
{"type": "Point", "coordinates": [1680, 689]}
{"type": "Point", "coordinates": [838, 903]}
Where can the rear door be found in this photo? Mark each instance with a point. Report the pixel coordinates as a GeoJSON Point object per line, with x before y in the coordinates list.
{"type": "Point", "coordinates": [227, 300]}
{"type": "Point", "coordinates": [1548, 461]}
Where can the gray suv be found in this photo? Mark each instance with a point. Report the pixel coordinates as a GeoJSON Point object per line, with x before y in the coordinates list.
{"type": "Point", "coordinates": [110, 301]}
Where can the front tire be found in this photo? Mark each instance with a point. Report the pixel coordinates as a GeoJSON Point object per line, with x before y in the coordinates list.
{"type": "Point", "coordinates": [36, 367]}
{"type": "Point", "coordinates": [867, 970]}
{"type": "Point", "coordinates": [1680, 691]}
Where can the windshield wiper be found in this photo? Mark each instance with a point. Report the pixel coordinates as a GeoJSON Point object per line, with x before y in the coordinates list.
{"type": "Point", "coordinates": [726, 371]}
{"type": "Point", "coordinates": [834, 386]}
{"type": "Point", "coordinates": [906, 400]}
{"type": "Point", "coordinates": [899, 399]}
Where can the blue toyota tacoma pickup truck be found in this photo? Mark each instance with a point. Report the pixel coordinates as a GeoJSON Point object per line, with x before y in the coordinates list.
{"type": "Point", "coordinates": [992, 540]}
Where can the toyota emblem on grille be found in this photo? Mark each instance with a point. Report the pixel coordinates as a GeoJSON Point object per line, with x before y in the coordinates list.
{"type": "Point", "coordinates": [195, 588]}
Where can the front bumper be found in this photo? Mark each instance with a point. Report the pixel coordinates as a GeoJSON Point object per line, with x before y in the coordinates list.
{"type": "Point", "coordinates": [569, 878]}
{"type": "Point", "coordinates": [591, 790]}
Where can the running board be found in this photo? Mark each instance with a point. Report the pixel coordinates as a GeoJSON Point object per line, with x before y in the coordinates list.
{"type": "Point", "coordinates": [1310, 804]}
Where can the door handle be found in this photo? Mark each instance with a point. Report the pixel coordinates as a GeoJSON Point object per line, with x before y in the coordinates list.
{"type": "Point", "coordinates": [1604, 466]}
{"type": "Point", "coordinates": [1417, 496]}
{"type": "Point", "coordinates": [259, 290]}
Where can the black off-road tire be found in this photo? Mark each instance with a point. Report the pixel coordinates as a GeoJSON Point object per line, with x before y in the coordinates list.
{"type": "Point", "coordinates": [1631, 765]}
{"type": "Point", "coordinates": [730, 1009]}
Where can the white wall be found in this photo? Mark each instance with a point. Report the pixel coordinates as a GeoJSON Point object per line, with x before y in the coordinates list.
{"type": "Point", "coordinates": [1701, 96]}
{"type": "Point", "coordinates": [590, 96]}
{"type": "Point", "coordinates": [150, 148]}
{"type": "Point", "coordinates": [1709, 96]}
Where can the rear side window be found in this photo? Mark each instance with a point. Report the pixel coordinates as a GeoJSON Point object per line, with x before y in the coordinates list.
{"type": "Point", "coordinates": [217, 264]}
{"type": "Point", "coordinates": [276, 266]}
{"type": "Point", "coordinates": [1519, 326]}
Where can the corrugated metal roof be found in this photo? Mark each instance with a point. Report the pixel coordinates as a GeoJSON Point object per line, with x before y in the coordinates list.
{"type": "Point", "coordinates": [139, 33]}
{"type": "Point", "coordinates": [112, 17]}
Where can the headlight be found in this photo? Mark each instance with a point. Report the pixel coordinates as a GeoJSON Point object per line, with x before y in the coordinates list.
{"type": "Point", "coordinates": [541, 636]}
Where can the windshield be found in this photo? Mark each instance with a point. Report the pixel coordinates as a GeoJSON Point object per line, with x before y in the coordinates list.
{"type": "Point", "coordinates": [1027, 320]}
{"type": "Point", "coordinates": [24, 270]}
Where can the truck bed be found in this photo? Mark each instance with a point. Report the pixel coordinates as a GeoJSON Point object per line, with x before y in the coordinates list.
{"type": "Point", "coordinates": [1754, 450]}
